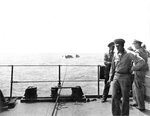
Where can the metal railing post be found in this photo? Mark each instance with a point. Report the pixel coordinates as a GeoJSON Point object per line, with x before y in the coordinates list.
{"type": "Point", "coordinates": [98, 76]}
{"type": "Point", "coordinates": [59, 75]}
{"type": "Point", "coordinates": [11, 81]}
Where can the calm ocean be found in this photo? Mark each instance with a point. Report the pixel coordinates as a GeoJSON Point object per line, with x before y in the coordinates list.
{"type": "Point", "coordinates": [45, 73]}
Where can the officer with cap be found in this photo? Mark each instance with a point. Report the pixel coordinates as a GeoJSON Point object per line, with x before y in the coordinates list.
{"type": "Point", "coordinates": [138, 83]}
{"type": "Point", "coordinates": [119, 42]}
{"type": "Point", "coordinates": [137, 42]}
{"type": "Point", "coordinates": [107, 62]}
{"type": "Point", "coordinates": [120, 73]}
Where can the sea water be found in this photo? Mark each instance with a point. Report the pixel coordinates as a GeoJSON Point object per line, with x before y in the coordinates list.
{"type": "Point", "coordinates": [49, 73]}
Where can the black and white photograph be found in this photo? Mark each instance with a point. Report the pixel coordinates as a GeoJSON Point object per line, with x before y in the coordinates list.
{"type": "Point", "coordinates": [74, 57]}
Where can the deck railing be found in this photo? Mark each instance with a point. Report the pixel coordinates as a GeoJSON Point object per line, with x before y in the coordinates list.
{"type": "Point", "coordinates": [59, 80]}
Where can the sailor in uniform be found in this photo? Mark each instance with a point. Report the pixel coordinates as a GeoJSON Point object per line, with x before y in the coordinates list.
{"type": "Point", "coordinates": [107, 62]}
{"type": "Point", "coordinates": [139, 76]}
{"type": "Point", "coordinates": [120, 73]}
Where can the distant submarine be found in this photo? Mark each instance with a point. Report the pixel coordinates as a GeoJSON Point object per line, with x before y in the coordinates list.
{"type": "Point", "coordinates": [71, 56]}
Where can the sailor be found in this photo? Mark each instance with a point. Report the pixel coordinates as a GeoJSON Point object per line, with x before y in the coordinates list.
{"type": "Point", "coordinates": [138, 83]}
{"type": "Point", "coordinates": [107, 62]}
{"type": "Point", "coordinates": [120, 73]}
{"type": "Point", "coordinates": [148, 53]}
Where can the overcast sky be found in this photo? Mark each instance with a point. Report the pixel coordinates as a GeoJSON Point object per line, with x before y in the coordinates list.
{"type": "Point", "coordinates": [76, 26]}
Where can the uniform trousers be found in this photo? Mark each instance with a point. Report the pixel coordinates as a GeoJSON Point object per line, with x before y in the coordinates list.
{"type": "Point", "coordinates": [106, 87]}
{"type": "Point", "coordinates": [120, 88]}
{"type": "Point", "coordinates": [139, 89]}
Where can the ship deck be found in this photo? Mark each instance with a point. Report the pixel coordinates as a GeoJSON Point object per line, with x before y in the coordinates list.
{"type": "Point", "coordinates": [92, 108]}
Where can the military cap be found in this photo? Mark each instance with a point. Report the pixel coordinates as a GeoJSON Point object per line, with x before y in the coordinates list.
{"type": "Point", "coordinates": [119, 41]}
{"type": "Point", "coordinates": [137, 41]}
{"type": "Point", "coordinates": [111, 44]}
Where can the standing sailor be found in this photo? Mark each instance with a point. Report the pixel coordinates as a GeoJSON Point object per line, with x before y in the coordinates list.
{"type": "Point", "coordinates": [120, 73]}
{"type": "Point", "coordinates": [139, 76]}
{"type": "Point", "coordinates": [107, 62]}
